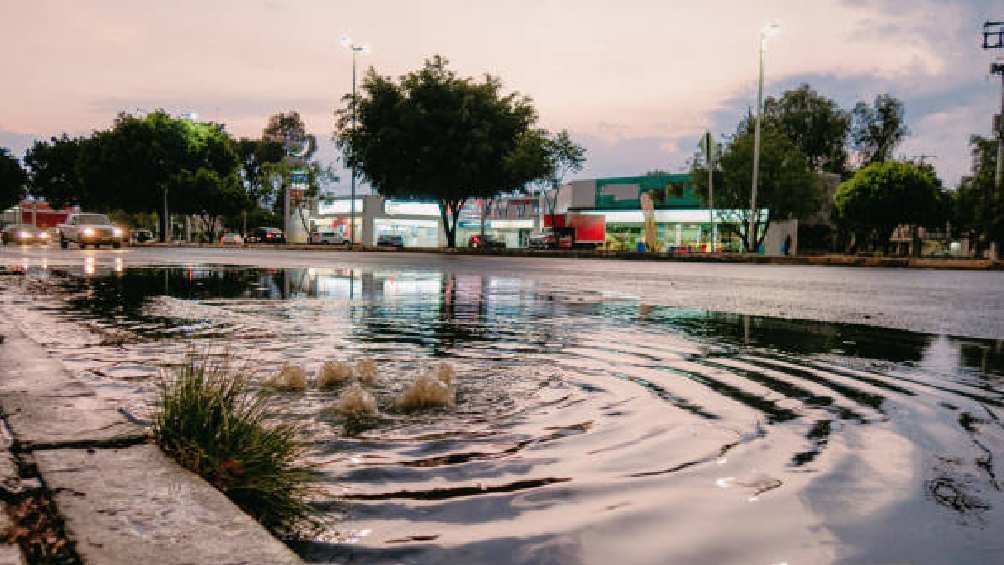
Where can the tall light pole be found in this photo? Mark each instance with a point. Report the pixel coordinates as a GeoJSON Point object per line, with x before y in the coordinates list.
{"type": "Point", "coordinates": [767, 31]}
{"type": "Point", "coordinates": [356, 50]}
{"type": "Point", "coordinates": [993, 38]}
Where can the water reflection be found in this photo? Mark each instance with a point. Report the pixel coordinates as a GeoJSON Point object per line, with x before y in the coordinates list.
{"type": "Point", "coordinates": [588, 428]}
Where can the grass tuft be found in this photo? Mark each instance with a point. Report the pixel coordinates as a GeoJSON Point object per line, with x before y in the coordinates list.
{"type": "Point", "coordinates": [213, 424]}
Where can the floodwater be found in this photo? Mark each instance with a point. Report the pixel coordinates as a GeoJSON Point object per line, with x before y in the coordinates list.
{"type": "Point", "coordinates": [588, 427]}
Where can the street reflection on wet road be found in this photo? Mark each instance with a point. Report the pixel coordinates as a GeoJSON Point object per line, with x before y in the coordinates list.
{"type": "Point", "coordinates": [589, 427]}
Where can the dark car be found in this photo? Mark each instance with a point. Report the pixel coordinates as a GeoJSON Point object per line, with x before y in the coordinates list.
{"type": "Point", "coordinates": [390, 241]}
{"type": "Point", "coordinates": [485, 242]}
{"type": "Point", "coordinates": [24, 234]}
{"type": "Point", "coordinates": [542, 241]}
{"type": "Point", "coordinates": [267, 235]}
{"type": "Point", "coordinates": [141, 236]}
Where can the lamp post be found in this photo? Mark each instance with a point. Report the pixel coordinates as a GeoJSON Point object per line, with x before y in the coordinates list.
{"type": "Point", "coordinates": [767, 31]}
{"type": "Point", "coordinates": [356, 50]}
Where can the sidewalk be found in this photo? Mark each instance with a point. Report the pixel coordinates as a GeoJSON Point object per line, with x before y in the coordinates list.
{"type": "Point", "coordinates": [835, 260]}
{"type": "Point", "coordinates": [121, 501]}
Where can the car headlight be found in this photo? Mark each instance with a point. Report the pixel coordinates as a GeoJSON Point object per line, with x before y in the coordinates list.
{"type": "Point", "coordinates": [117, 232]}
{"type": "Point", "coordinates": [43, 235]}
{"type": "Point", "coordinates": [88, 232]}
{"type": "Point", "coordinates": [23, 234]}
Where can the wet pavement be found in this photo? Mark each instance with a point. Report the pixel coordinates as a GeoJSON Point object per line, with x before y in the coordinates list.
{"type": "Point", "coordinates": [605, 410]}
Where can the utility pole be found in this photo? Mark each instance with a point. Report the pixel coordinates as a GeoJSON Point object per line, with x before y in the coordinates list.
{"type": "Point", "coordinates": [356, 49]}
{"type": "Point", "coordinates": [751, 234]}
{"type": "Point", "coordinates": [993, 38]}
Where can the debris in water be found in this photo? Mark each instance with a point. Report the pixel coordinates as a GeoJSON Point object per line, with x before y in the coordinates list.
{"type": "Point", "coordinates": [444, 372]}
{"type": "Point", "coordinates": [428, 391]}
{"type": "Point", "coordinates": [366, 370]}
{"type": "Point", "coordinates": [355, 402]}
{"type": "Point", "coordinates": [290, 378]}
{"type": "Point", "coordinates": [334, 374]}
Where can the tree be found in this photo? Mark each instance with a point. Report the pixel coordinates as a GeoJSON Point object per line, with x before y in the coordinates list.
{"type": "Point", "coordinates": [787, 187]}
{"type": "Point", "coordinates": [296, 166]}
{"type": "Point", "coordinates": [881, 196]}
{"type": "Point", "coordinates": [255, 157]}
{"type": "Point", "coordinates": [435, 135]}
{"type": "Point", "coordinates": [562, 157]}
{"type": "Point", "coordinates": [814, 123]}
{"type": "Point", "coordinates": [977, 208]}
{"type": "Point", "coordinates": [12, 179]}
{"type": "Point", "coordinates": [876, 130]}
{"type": "Point", "coordinates": [53, 170]}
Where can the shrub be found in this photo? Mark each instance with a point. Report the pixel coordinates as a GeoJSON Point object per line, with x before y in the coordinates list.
{"type": "Point", "coordinates": [213, 424]}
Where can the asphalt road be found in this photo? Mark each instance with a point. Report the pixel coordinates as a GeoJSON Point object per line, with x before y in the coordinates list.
{"type": "Point", "coordinates": [960, 303]}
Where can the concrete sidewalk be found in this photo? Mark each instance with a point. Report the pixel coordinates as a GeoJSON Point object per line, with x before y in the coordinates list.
{"type": "Point", "coordinates": [122, 500]}
{"type": "Point", "coordinates": [836, 260]}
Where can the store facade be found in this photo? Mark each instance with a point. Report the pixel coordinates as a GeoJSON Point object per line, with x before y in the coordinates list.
{"type": "Point", "coordinates": [682, 221]}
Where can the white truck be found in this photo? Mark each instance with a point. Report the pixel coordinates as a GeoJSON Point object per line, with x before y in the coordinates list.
{"type": "Point", "coordinates": [90, 229]}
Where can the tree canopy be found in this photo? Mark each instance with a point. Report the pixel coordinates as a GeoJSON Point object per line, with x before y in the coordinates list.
{"type": "Point", "coordinates": [876, 130]}
{"type": "Point", "coordinates": [814, 123]}
{"type": "Point", "coordinates": [977, 208]}
{"type": "Point", "coordinates": [12, 179]}
{"type": "Point", "coordinates": [881, 196]}
{"type": "Point", "coordinates": [432, 134]}
{"type": "Point", "coordinates": [787, 186]}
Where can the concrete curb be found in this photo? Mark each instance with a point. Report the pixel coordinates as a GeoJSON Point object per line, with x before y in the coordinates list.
{"type": "Point", "coordinates": [811, 260]}
{"type": "Point", "coordinates": [122, 501]}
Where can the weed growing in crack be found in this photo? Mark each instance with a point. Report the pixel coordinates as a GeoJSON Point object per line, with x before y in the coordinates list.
{"type": "Point", "coordinates": [214, 424]}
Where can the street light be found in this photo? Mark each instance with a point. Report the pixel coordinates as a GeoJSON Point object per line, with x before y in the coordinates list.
{"type": "Point", "coordinates": [356, 49]}
{"type": "Point", "coordinates": [769, 30]}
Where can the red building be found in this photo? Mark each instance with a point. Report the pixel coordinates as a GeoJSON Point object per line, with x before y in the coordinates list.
{"type": "Point", "coordinates": [40, 214]}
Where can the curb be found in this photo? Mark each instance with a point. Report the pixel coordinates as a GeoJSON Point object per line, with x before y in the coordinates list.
{"type": "Point", "coordinates": [119, 499]}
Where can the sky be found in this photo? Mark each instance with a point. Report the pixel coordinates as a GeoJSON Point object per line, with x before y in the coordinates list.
{"type": "Point", "coordinates": [635, 81]}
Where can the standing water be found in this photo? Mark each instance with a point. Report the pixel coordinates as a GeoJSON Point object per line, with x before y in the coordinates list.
{"type": "Point", "coordinates": [584, 427]}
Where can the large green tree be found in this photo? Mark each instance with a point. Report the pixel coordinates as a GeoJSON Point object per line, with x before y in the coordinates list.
{"type": "Point", "coordinates": [787, 187]}
{"type": "Point", "coordinates": [881, 196]}
{"type": "Point", "coordinates": [138, 163]}
{"type": "Point", "coordinates": [876, 130]}
{"type": "Point", "coordinates": [814, 123]}
{"type": "Point", "coordinates": [432, 134]}
{"type": "Point", "coordinates": [977, 207]}
{"type": "Point", "coordinates": [12, 179]}
{"type": "Point", "coordinates": [53, 170]}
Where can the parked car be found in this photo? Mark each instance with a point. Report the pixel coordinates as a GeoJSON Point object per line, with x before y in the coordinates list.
{"type": "Point", "coordinates": [90, 229]}
{"type": "Point", "coordinates": [542, 241]}
{"type": "Point", "coordinates": [231, 239]}
{"type": "Point", "coordinates": [486, 241]}
{"type": "Point", "coordinates": [24, 234]}
{"type": "Point", "coordinates": [389, 240]}
{"type": "Point", "coordinates": [267, 235]}
{"type": "Point", "coordinates": [328, 236]}
{"type": "Point", "coordinates": [141, 236]}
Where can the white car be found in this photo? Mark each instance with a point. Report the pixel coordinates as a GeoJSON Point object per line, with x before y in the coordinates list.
{"type": "Point", "coordinates": [90, 229]}
{"type": "Point", "coordinates": [328, 237]}
{"type": "Point", "coordinates": [231, 239]}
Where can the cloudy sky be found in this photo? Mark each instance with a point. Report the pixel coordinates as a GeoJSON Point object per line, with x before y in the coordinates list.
{"type": "Point", "coordinates": [635, 81]}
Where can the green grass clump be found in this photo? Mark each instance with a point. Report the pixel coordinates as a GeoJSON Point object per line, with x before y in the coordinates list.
{"type": "Point", "coordinates": [214, 424]}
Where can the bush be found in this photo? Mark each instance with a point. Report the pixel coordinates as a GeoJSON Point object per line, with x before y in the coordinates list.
{"type": "Point", "coordinates": [213, 424]}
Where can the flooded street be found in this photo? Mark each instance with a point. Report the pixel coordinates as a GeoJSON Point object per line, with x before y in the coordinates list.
{"type": "Point", "coordinates": [605, 411]}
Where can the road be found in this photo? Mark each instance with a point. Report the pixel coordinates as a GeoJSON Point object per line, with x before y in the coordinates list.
{"type": "Point", "coordinates": [960, 303]}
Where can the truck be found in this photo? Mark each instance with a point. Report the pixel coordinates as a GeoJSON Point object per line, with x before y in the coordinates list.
{"type": "Point", "coordinates": [90, 229]}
